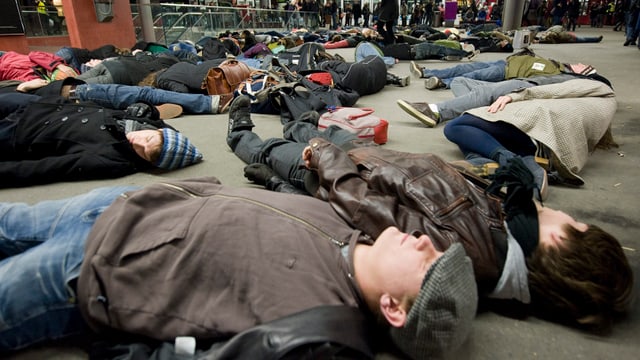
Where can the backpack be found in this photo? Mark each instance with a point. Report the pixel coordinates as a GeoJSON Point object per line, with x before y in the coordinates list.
{"type": "Point", "coordinates": [213, 48]}
{"type": "Point", "coordinates": [365, 77]}
{"type": "Point", "coordinates": [305, 57]}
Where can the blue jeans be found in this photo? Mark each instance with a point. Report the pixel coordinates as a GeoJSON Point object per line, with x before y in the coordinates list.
{"type": "Point", "coordinates": [284, 156]}
{"type": "Point", "coordinates": [492, 71]}
{"type": "Point", "coordinates": [43, 246]}
{"type": "Point", "coordinates": [474, 135]}
{"type": "Point", "coordinates": [120, 96]}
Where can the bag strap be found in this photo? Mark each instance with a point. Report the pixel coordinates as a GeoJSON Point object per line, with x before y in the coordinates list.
{"type": "Point", "coordinates": [363, 111]}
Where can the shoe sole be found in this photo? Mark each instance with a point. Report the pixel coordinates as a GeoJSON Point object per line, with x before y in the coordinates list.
{"type": "Point", "coordinates": [169, 111]}
{"type": "Point", "coordinates": [416, 114]}
{"type": "Point", "coordinates": [415, 69]}
{"type": "Point", "coordinates": [432, 83]}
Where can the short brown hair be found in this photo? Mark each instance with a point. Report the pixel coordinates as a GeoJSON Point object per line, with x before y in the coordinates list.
{"type": "Point", "coordinates": [585, 280]}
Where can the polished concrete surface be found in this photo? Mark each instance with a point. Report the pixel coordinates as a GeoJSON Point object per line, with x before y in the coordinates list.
{"type": "Point", "coordinates": [609, 198]}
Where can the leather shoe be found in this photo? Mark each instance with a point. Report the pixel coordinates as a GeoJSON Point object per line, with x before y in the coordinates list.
{"type": "Point", "coordinates": [223, 103]}
{"type": "Point", "coordinates": [416, 70]}
{"type": "Point", "coordinates": [169, 111]}
{"type": "Point", "coordinates": [420, 111]}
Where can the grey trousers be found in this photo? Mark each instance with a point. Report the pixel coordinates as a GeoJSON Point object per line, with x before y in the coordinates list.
{"type": "Point", "coordinates": [470, 94]}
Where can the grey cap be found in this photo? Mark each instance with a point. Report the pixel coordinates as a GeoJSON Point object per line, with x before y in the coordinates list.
{"type": "Point", "coordinates": [440, 319]}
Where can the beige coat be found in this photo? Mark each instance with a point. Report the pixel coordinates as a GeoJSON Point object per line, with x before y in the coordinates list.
{"type": "Point", "coordinates": [569, 118]}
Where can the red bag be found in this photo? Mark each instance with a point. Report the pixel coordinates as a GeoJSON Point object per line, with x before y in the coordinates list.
{"type": "Point", "coordinates": [358, 121]}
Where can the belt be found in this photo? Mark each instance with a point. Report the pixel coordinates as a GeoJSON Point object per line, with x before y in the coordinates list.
{"type": "Point", "coordinates": [69, 92]}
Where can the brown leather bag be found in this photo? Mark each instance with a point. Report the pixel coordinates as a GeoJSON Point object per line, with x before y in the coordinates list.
{"type": "Point", "coordinates": [226, 77]}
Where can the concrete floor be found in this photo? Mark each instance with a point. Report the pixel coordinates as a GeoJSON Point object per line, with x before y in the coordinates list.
{"type": "Point", "coordinates": [608, 199]}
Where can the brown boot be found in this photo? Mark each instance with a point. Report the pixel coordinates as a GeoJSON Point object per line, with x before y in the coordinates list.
{"type": "Point", "coordinates": [224, 102]}
{"type": "Point", "coordinates": [421, 111]}
{"type": "Point", "coordinates": [169, 111]}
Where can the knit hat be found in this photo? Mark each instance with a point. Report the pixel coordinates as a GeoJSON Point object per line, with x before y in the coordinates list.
{"type": "Point", "coordinates": [177, 151]}
{"type": "Point", "coordinates": [440, 319]}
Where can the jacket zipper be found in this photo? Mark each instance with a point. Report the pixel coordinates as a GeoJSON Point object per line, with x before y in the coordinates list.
{"type": "Point", "coordinates": [295, 218]}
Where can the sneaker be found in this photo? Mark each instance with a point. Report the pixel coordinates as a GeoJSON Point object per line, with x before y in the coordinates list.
{"type": "Point", "coordinates": [473, 54]}
{"type": "Point", "coordinates": [468, 47]}
{"type": "Point", "coordinates": [433, 83]}
{"type": "Point", "coordinates": [420, 111]}
{"type": "Point", "coordinates": [240, 115]}
{"type": "Point", "coordinates": [223, 103]}
{"type": "Point", "coordinates": [169, 111]}
{"type": "Point", "coordinates": [405, 81]}
{"type": "Point", "coordinates": [416, 69]}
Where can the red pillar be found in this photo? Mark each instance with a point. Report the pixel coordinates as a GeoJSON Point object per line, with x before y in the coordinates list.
{"type": "Point", "coordinates": [86, 32]}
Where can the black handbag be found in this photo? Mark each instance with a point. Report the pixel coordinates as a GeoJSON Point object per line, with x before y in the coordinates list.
{"type": "Point", "coordinates": [304, 95]}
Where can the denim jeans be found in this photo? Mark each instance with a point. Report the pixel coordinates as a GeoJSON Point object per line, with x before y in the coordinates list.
{"type": "Point", "coordinates": [474, 135]}
{"type": "Point", "coordinates": [43, 248]}
{"type": "Point", "coordinates": [284, 156]}
{"type": "Point", "coordinates": [120, 96]}
{"type": "Point", "coordinates": [492, 71]}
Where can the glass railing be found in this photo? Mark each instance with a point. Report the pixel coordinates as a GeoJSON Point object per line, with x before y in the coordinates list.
{"type": "Point", "coordinates": [185, 22]}
{"type": "Point", "coordinates": [192, 22]}
{"type": "Point", "coordinates": [36, 24]}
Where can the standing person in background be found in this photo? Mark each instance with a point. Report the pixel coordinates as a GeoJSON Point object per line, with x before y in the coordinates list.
{"type": "Point", "coordinates": [387, 14]}
{"type": "Point", "coordinates": [357, 12]}
{"type": "Point", "coordinates": [326, 13]}
{"type": "Point", "coordinates": [348, 15]}
{"type": "Point", "coordinates": [404, 12]}
{"type": "Point", "coordinates": [334, 15]}
{"type": "Point", "coordinates": [427, 13]}
{"type": "Point", "coordinates": [366, 13]}
{"type": "Point", "coordinates": [559, 9]}
{"type": "Point", "coordinates": [633, 23]}
{"type": "Point", "coordinates": [43, 16]}
{"type": "Point", "coordinates": [618, 16]}
{"type": "Point", "coordinates": [573, 11]}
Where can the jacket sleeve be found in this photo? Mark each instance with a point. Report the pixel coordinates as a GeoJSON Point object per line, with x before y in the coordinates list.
{"type": "Point", "coordinates": [349, 194]}
{"type": "Point", "coordinates": [47, 60]}
{"type": "Point", "coordinates": [71, 167]}
{"type": "Point", "coordinates": [578, 88]}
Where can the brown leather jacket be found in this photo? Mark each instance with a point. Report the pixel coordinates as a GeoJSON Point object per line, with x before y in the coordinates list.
{"type": "Point", "coordinates": [374, 188]}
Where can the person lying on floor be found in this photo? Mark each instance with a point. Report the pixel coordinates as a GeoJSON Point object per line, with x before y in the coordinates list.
{"type": "Point", "coordinates": [117, 96]}
{"type": "Point", "coordinates": [523, 64]}
{"type": "Point", "coordinates": [519, 257]}
{"type": "Point", "coordinates": [52, 139]}
{"type": "Point", "coordinates": [213, 265]}
{"type": "Point", "coordinates": [470, 93]}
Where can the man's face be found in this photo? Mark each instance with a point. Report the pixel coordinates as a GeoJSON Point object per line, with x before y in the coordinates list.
{"type": "Point", "coordinates": [146, 143]}
{"type": "Point", "coordinates": [403, 261]}
{"type": "Point", "coordinates": [552, 223]}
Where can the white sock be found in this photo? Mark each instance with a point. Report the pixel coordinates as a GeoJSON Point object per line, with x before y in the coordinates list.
{"type": "Point", "coordinates": [215, 102]}
{"type": "Point", "coordinates": [434, 108]}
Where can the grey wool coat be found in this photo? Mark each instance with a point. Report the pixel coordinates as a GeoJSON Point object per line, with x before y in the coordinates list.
{"type": "Point", "coordinates": [569, 118]}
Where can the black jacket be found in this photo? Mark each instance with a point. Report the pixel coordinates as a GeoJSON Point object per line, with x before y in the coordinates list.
{"type": "Point", "coordinates": [58, 140]}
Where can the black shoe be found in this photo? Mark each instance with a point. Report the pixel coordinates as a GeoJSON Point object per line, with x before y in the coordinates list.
{"type": "Point", "coordinates": [240, 115]}
{"type": "Point", "coordinates": [626, 43]}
